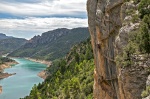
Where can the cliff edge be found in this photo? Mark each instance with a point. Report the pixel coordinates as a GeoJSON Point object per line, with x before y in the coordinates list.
{"type": "Point", "coordinates": [110, 26]}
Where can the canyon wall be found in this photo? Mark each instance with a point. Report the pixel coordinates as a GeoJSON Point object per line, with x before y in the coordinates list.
{"type": "Point", "coordinates": [108, 36]}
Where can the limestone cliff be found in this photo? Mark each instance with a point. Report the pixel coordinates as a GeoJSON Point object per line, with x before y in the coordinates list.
{"type": "Point", "coordinates": [109, 34]}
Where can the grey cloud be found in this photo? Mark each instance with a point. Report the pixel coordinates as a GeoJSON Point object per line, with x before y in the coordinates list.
{"type": "Point", "coordinates": [25, 27]}
{"type": "Point", "coordinates": [44, 8]}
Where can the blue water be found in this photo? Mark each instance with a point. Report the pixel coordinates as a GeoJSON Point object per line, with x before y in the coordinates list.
{"type": "Point", "coordinates": [19, 85]}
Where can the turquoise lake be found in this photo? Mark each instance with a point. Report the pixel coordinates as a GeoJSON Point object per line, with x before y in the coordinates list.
{"type": "Point", "coordinates": [19, 85]}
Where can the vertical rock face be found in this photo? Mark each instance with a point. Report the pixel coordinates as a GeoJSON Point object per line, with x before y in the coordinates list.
{"type": "Point", "coordinates": [104, 23]}
{"type": "Point", "coordinates": [109, 36]}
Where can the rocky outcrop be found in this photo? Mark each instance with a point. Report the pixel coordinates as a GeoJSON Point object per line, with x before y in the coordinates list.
{"type": "Point", "coordinates": [109, 27]}
{"type": "Point", "coordinates": [43, 74]}
{"type": "Point", "coordinates": [132, 79]}
{"type": "Point", "coordinates": [148, 81]}
{"type": "Point", "coordinates": [147, 97]}
{"type": "Point", "coordinates": [147, 85]}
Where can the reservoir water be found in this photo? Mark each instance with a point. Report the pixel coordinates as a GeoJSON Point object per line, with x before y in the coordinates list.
{"type": "Point", "coordinates": [19, 85]}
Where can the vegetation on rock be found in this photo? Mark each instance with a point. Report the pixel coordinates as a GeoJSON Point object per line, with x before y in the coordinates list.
{"type": "Point", "coordinates": [146, 92]}
{"type": "Point", "coordinates": [139, 40]}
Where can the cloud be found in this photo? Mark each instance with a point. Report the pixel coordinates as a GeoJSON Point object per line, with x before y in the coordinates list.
{"type": "Point", "coordinates": [26, 18]}
{"type": "Point", "coordinates": [31, 8]}
{"type": "Point", "coordinates": [29, 27]}
{"type": "Point", "coordinates": [24, 1]}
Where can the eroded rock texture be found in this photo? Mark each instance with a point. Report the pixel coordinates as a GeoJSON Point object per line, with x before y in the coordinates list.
{"type": "Point", "coordinates": [104, 23]}
{"type": "Point", "coordinates": [109, 35]}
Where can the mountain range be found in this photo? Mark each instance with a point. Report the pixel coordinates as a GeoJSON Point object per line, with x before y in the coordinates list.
{"type": "Point", "coordinates": [9, 43]}
{"type": "Point", "coordinates": [52, 44]}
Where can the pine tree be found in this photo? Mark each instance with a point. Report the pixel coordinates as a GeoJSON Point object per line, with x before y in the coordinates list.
{"type": "Point", "coordinates": [144, 35]}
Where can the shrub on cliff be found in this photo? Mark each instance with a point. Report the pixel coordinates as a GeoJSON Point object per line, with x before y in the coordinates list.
{"type": "Point", "coordinates": [139, 40]}
{"type": "Point", "coordinates": [144, 35]}
{"type": "Point", "coordinates": [146, 92]}
{"type": "Point", "coordinates": [144, 8]}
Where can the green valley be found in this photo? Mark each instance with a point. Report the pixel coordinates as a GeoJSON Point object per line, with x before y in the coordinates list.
{"type": "Point", "coordinates": [69, 77]}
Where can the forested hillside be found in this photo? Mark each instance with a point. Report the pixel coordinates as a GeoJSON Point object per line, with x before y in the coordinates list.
{"type": "Point", "coordinates": [70, 77]}
{"type": "Point", "coordinates": [52, 44]}
{"type": "Point", "coordinates": [10, 44]}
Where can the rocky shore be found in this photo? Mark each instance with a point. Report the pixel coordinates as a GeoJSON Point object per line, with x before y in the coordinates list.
{"type": "Point", "coordinates": [5, 75]}
{"type": "Point", "coordinates": [7, 65]}
{"type": "Point", "coordinates": [4, 66]}
{"type": "Point", "coordinates": [43, 74]}
{"type": "Point", "coordinates": [48, 63]}
{"type": "Point", "coordinates": [0, 89]}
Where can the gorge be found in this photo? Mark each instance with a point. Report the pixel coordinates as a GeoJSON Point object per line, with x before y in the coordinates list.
{"type": "Point", "coordinates": [117, 54]}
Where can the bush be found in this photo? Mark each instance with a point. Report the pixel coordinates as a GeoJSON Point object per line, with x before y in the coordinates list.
{"type": "Point", "coordinates": [146, 92]}
{"type": "Point", "coordinates": [139, 40]}
{"type": "Point", "coordinates": [144, 35]}
{"type": "Point", "coordinates": [144, 8]}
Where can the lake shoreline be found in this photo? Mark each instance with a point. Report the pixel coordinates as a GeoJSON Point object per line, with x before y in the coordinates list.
{"type": "Point", "coordinates": [43, 74]}
{"type": "Point", "coordinates": [5, 75]}
{"type": "Point", "coordinates": [4, 66]}
{"type": "Point", "coordinates": [25, 78]}
{"type": "Point", "coordinates": [0, 89]}
{"type": "Point", "coordinates": [48, 63]}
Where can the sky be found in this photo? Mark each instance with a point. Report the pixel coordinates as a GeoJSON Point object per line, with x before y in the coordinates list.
{"type": "Point", "coordinates": [27, 18]}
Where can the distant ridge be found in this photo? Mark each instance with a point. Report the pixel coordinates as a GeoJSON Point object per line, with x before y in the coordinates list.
{"type": "Point", "coordinates": [9, 43]}
{"type": "Point", "coordinates": [3, 36]}
{"type": "Point", "coordinates": [52, 44]}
